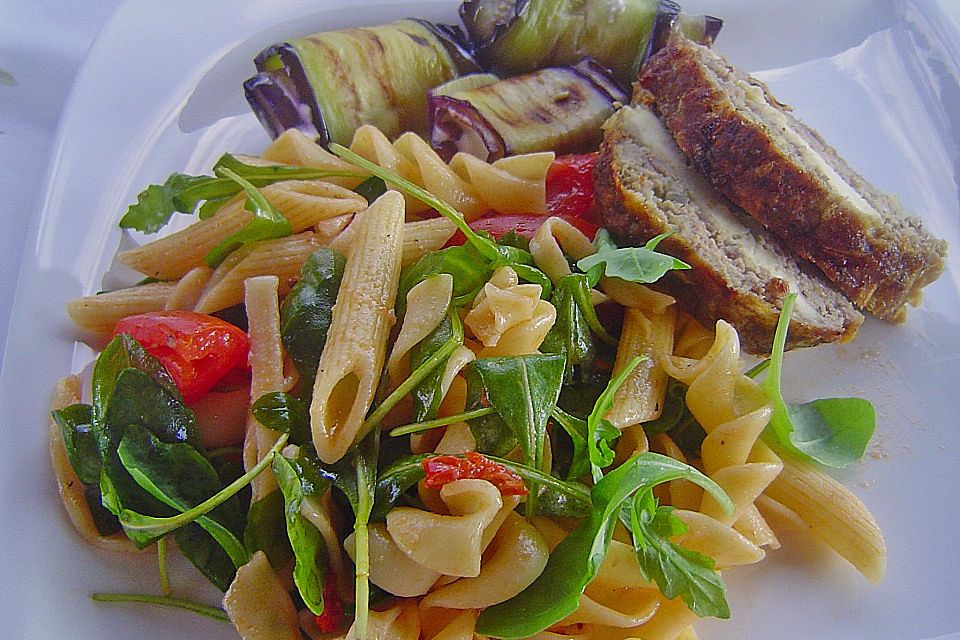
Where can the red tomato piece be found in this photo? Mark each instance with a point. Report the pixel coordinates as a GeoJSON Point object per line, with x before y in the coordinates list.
{"type": "Point", "coordinates": [441, 470]}
{"type": "Point", "coordinates": [331, 620]}
{"type": "Point", "coordinates": [197, 350]}
{"type": "Point", "coordinates": [570, 187]}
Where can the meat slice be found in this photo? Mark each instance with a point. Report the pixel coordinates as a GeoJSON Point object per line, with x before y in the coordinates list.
{"type": "Point", "coordinates": [785, 176]}
{"type": "Point", "coordinates": [739, 270]}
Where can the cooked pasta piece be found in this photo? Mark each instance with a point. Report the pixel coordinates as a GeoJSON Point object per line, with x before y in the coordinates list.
{"type": "Point", "coordinates": [101, 313]}
{"type": "Point", "coordinates": [623, 608]}
{"type": "Point", "coordinates": [189, 289]}
{"type": "Point", "coordinates": [294, 147]}
{"type": "Point", "coordinates": [419, 238]}
{"type": "Point", "coordinates": [282, 257]}
{"type": "Point", "coordinates": [640, 397]}
{"type": "Point", "coordinates": [516, 556]}
{"type": "Point", "coordinates": [636, 296]}
{"type": "Point", "coordinates": [712, 538]}
{"type": "Point", "coordinates": [350, 365]}
{"type": "Point", "coordinates": [65, 393]}
{"type": "Point", "coordinates": [460, 627]}
{"type": "Point", "coordinates": [833, 514]}
{"type": "Point", "coordinates": [259, 605]}
{"type": "Point", "coordinates": [390, 568]}
{"type": "Point", "coordinates": [427, 304]}
{"type": "Point", "coordinates": [509, 318]}
{"type": "Point", "coordinates": [321, 511]}
{"type": "Point", "coordinates": [449, 544]}
{"type": "Point", "coordinates": [504, 185]}
{"type": "Point", "coordinates": [266, 365]}
{"type": "Point", "coordinates": [303, 203]}
{"type": "Point", "coordinates": [554, 240]}
{"type": "Point", "coordinates": [400, 622]}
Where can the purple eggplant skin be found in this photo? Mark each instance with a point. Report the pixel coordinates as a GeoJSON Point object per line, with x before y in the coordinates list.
{"type": "Point", "coordinates": [557, 108]}
{"type": "Point", "coordinates": [703, 29]}
{"type": "Point", "coordinates": [281, 95]}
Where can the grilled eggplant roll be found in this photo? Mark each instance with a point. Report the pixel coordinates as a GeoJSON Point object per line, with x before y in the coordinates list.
{"type": "Point", "coordinates": [739, 271]}
{"type": "Point", "coordinates": [784, 175]}
{"type": "Point", "coordinates": [331, 83]}
{"type": "Point", "coordinates": [558, 108]}
{"type": "Point", "coordinates": [517, 36]}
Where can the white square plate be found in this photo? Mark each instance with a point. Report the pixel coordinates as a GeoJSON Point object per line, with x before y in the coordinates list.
{"type": "Point", "coordinates": [161, 92]}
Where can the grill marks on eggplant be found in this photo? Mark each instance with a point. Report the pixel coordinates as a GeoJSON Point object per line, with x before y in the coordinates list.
{"type": "Point", "coordinates": [784, 174]}
{"type": "Point", "coordinates": [739, 270]}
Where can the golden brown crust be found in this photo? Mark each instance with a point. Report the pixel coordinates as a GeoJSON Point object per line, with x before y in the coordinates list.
{"type": "Point", "coordinates": [880, 264]}
{"type": "Point", "coordinates": [704, 290]}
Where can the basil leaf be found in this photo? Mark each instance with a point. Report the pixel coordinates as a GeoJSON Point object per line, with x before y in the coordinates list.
{"type": "Point", "coordinates": [634, 264]}
{"type": "Point", "coordinates": [266, 530]}
{"type": "Point", "coordinates": [177, 475]}
{"type": "Point", "coordinates": [76, 428]}
{"type": "Point", "coordinates": [310, 570]}
{"type": "Point", "coordinates": [574, 563]}
{"type": "Point", "coordinates": [524, 390]}
{"type": "Point", "coordinates": [267, 223]}
{"type": "Point", "coordinates": [832, 431]}
{"type": "Point", "coordinates": [678, 571]}
{"type": "Point", "coordinates": [285, 413]}
{"type": "Point", "coordinates": [307, 312]}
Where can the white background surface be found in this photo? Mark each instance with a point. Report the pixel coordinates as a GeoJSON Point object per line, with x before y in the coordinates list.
{"type": "Point", "coordinates": [42, 45]}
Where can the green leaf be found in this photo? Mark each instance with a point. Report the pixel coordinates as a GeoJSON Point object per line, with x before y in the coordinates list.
{"type": "Point", "coordinates": [469, 269]}
{"type": "Point", "coordinates": [310, 570]}
{"type": "Point", "coordinates": [371, 188]}
{"type": "Point", "coordinates": [267, 222]}
{"type": "Point", "coordinates": [205, 554]}
{"type": "Point", "coordinates": [307, 312]}
{"type": "Point", "coordinates": [677, 421]}
{"type": "Point", "coordinates": [177, 475]}
{"type": "Point", "coordinates": [266, 530]}
{"type": "Point", "coordinates": [634, 264]}
{"type": "Point", "coordinates": [676, 570]}
{"type": "Point", "coordinates": [601, 434]}
{"type": "Point", "coordinates": [76, 427]}
{"type": "Point", "coordinates": [574, 563]}
{"type": "Point", "coordinates": [285, 413]}
{"type": "Point", "coordinates": [833, 431]}
{"type": "Point", "coordinates": [182, 193]}
{"type": "Point", "coordinates": [577, 430]}
{"type": "Point", "coordinates": [524, 390]}
{"type": "Point", "coordinates": [570, 334]}
{"type": "Point", "coordinates": [427, 394]}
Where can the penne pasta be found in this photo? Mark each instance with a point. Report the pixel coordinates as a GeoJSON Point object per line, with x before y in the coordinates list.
{"type": "Point", "coordinates": [100, 313]}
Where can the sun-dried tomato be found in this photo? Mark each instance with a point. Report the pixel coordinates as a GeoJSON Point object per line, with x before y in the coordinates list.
{"type": "Point", "coordinates": [441, 470]}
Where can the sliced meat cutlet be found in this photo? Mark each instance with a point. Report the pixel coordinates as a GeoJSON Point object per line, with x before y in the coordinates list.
{"type": "Point", "coordinates": [784, 175]}
{"type": "Point", "coordinates": [740, 272]}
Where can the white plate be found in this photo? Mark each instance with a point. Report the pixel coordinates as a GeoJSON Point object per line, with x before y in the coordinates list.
{"type": "Point", "coordinates": [878, 79]}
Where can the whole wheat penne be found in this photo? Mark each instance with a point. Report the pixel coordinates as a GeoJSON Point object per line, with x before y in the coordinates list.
{"type": "Point", "coordinates": [303, 203]}
{"type": "Point", "coordinates": [189, 289]}
{"type": "Point", "coordinates": [100, 313]}
{"type": "Point", "coordinates": [353, 357]}
{"type": "Point", "coordinates": [419, 238]}
{"type": "Point", "coordinates": [296, 148]}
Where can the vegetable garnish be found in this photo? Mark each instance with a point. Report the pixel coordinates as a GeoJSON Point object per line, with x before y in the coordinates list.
{"type": "Point", "coordinates": [197, 350]}
{"type": "Point", "coordinates": [634, 264]}
{"type": "Point", "coordinates": [441, 470]}
{"type": "Point", "coordinates": [182, 193]}
{"type": "Point", "coordinates": [331, 620]}
{"type": "Point", "coordinates": [574, 563]}
{"type": "Point", "coordinates": [600, 432]}
{"type": "Point", "coordinates": [216, 613]}
{"type": "Point", "coordinates": [570, 192]}
{"type": "Point", "coordinates": [267, 222]}
{"type": "Point", "coordinates": [832, 431]}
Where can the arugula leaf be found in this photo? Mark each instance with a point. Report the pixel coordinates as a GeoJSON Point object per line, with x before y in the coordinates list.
{"type": "Point", "coordinates": [284, 413]}
{"type": "Point", "coordinates": [76, 427]}
{"type": "Point", "coordinates": [574, 563]}
{"type": "Point", "coordinates": [310, 570]}
{"type": "Point", "coordinates": [182, 193]}
{"type": "Point", "coordinates": [267, 223]}
{"type": "Point", "coordinates": [678, 571]}
{"type": "Point", "coordinates": [469, 269]}
{"type": "Point", "coordinates": [634, 264]}
{"type": "Point", "coordinates": [600, 432]}
{"type": "Point", "coordinates": [307, 312]}
{"type": "Point", "coordinates": [177, 475]}
{"type": "Point", "coordinates": [206, 554]}
{"type": "Point", "coordinates": [371, 188]}
{"type": "Point", "coordinates": [570, 334]}
{"type": "Point", "coordinates": [832, 431]}
{"type": "Point", "coordinates": [524, 390]}
{"type": "Point", "coordinates": [427, 394]}
{"type": "Point", "coordinates": [266, 530]}
{"type": "Point", "coordinates": [577, 430]}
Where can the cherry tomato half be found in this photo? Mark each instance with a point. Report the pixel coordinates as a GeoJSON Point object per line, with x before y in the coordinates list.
{"type": "Point", "coordinates": [197, 350]}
